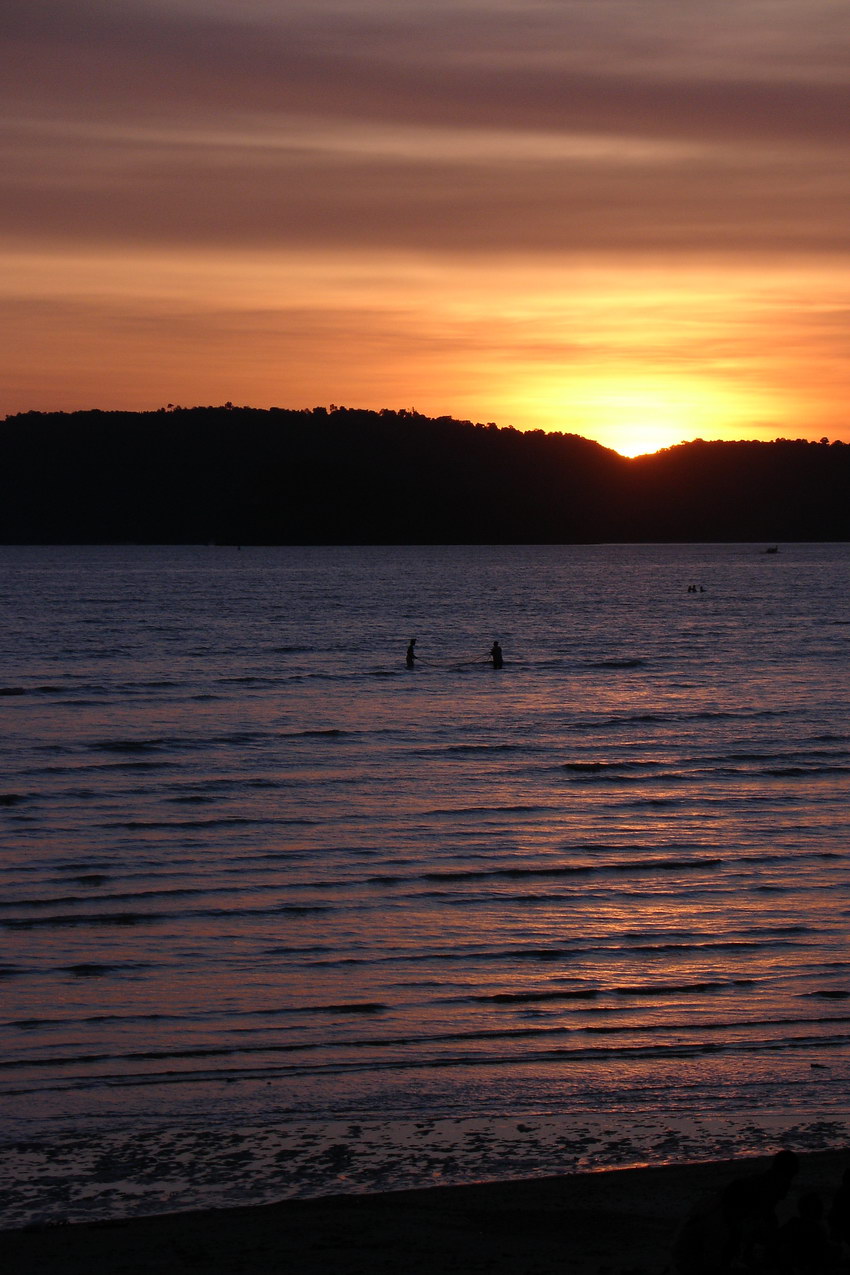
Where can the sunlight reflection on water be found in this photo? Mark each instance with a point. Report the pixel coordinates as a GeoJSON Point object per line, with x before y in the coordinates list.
{"type": "Point", "coordinates": [246, 847]}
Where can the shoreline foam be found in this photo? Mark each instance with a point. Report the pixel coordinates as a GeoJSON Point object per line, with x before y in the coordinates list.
{"type": "Point", "coordinates": [109, 1174]}
{"type": "Point", "coordinates": [615, 1221]}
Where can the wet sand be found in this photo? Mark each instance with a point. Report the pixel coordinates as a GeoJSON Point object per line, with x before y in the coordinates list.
{"type": "Point", "coordinates": [616, 1222]}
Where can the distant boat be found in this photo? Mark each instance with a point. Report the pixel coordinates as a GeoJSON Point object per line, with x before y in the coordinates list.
{"type": "Point", "coordinates": [772, 549]}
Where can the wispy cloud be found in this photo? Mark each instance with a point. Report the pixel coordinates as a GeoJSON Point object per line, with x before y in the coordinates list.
{"type": "Point", "coordinates": [389, 131]}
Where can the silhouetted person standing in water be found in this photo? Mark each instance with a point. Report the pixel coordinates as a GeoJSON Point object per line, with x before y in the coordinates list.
{"type": "Point", "coordinates": [410, 658]}
{"type": "Point", "coordinates": [496, 655]}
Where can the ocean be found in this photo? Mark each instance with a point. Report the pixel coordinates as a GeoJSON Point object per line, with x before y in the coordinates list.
{"type": "Point", "coordinates": [280, 916]}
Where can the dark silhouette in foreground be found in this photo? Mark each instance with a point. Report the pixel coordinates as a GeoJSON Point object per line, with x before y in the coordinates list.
{"type": "Point", "coordinates": [739, 1227]}
{"type": "Point", "coordinates": [803, 1243]}
{"type": "Point", "coordinates": [496, 655]}
{"type": "Point", "coordinates": [242, 476]}
{"type": "Point", "coordinates": [410, 657]}
{"type": "Point", "coordinates": [838, 1215]}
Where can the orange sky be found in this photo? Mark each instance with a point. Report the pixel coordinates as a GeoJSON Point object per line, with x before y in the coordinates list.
{"type": "Point", "coordinates": [626, 219]}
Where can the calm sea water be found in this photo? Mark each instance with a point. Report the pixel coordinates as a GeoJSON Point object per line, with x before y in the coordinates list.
{"type": "Point", "coordinates": [260, 881]}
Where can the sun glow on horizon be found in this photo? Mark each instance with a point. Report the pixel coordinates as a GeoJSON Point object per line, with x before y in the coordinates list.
{"type": "Point", "coordinates": [642, 414]}
{"type": "Point", "coordinates": [601, 353]}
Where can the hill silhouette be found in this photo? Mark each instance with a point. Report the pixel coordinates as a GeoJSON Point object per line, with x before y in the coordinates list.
{"type": "Point", "coordinates": [239, 475]}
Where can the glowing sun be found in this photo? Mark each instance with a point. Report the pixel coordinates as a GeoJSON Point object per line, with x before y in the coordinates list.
{"type": "Point", "coordinates": [642, 414]}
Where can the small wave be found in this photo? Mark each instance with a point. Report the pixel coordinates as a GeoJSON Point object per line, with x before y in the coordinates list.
{"type": "Point", "coordinates": [449, 956]}
{"type": "Point", "coordinates": [205, 787]}
{"type": "Point", "coordinates": [11, 798]}
{"type": "Point", "coordinates": [80, 702]}
{"type": "Point", "coordinates": [630, 773]}
{"type": "Point", "coordinates": [159, 764]}
{"type": "Point", "coordinates": [595, 767]}
{"type": "Point", "coordinates": [101, 969]}
{"type": "Point", "coordinates": [353, 1007]}
{"type": "Point", "coordinates": [692, 769]}
{"type": "Point", "coordinates": [235, 737]}
{"type": "Point", "coordinates": [72, 920]}
{"type": "Point", "coordinates": [330, 733]}
{"type": "Point", "coordinates": [673, 989]}
{"type": "Point", "coordinates": [139, 688]}
{"type": "Point", "coordinates": [538, 1042]}
{"type": "Point", "coordinates": [127, 745]}
{"type": "Point", "coordinates": [634, 662]}
{"type": "Point", "coordinates": [229, 821]}
{"type": "Point", "coordinates": [285, 1011]}
{"type": "Point", "coordinates": [573, 869]}
{"type": "Point", "coordinates": [748, 757]}
{"type": "Point", "coordinates": [798, 772]}
{"type": "Point", "coordinates": [66, 900]}
{"type": "Point", "coordinates": [641, 802]}
{"type": "Point", "coordinates": [296, 821]}
{"type": "Point", "coordinates": [244, 680]}
{"type": "Point", "coordinates": [716, 945]}
{"type": "Point", "coordinates": [717, 715]}
{"type": "Point", "coordinates": [521, 998]}
{"type": "Point", "coordinates": [633, 866]}
{"type": "Point", "coordinates": [456, 812]}
{"type": "Point", "coordinates": [618, 720]}
{"type": "Point", "coordinates": [12, 690]}
{"type": "Point", "coordinates": [84, 866]}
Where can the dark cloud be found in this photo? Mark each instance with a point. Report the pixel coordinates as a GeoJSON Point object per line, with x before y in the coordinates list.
{"type": "Point", "coordinates": [607, 133]}
{"type": "Point", "coordinates": [544, 69]}
{"type": "Point", "coordinates": [110, 191]}
{"type": "Point", "coordinates": [764, 135]}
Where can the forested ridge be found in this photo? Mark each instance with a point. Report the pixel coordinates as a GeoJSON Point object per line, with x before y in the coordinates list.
{"type": "Point", "coordinates": [238, 475]}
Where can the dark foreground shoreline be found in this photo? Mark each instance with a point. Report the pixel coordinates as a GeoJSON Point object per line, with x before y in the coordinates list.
{"type": "Point", "coordinates": [614, 1222]}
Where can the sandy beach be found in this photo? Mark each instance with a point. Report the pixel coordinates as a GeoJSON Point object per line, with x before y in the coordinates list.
{"type": "Point", "coordinates": [615, 1221]}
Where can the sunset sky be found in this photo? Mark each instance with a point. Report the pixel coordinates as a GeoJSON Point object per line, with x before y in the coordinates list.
{"type": "Point", "coordinates": [627, 219]}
